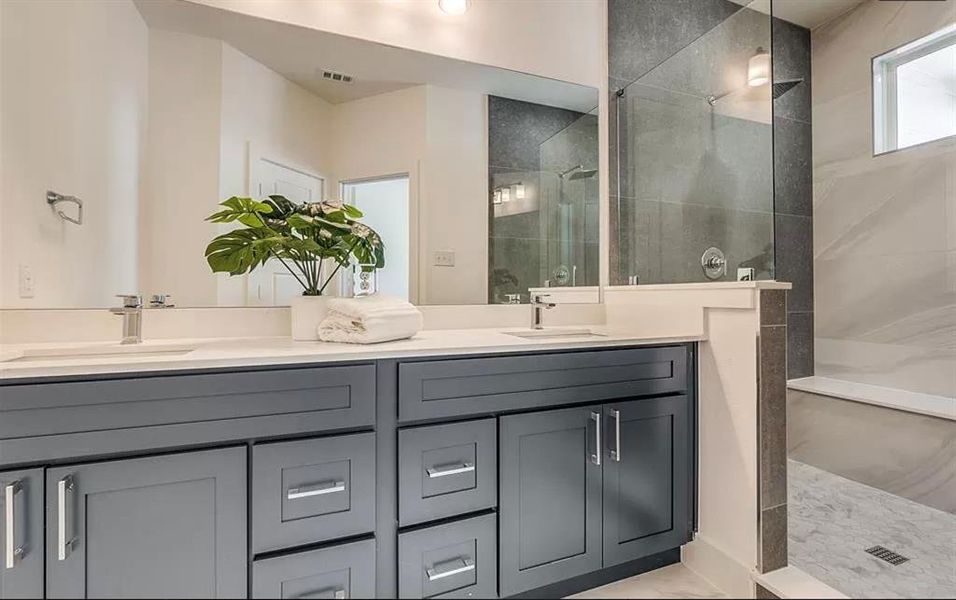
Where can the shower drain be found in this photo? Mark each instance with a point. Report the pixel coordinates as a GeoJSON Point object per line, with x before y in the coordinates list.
{"type": "Point", "coordinates": [888, 555]}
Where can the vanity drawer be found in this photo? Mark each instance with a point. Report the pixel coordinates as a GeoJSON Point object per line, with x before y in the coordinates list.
{"type": "Point", "coordinates": [344, 571]}
{"type": "Point", "coordinates": [311, 491]}
{"type": "Point", "coordinates": [50, 421]}
{"type": "Point", "coordinates": [446, 470]}
{"type": "Point", "coordinates": [447, 388]}
{"type": "Point", "coordinates": [454, 560]}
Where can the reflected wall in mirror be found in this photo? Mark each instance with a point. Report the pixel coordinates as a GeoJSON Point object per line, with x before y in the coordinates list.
{"type": "Point", "coordinates": [482, 181]}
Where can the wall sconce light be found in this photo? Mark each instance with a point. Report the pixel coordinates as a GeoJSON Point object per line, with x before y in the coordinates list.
{"type": "Point", "coordinates": [758, 68]}
{"type": "Point", "coordinates": [454, 7]}
{"type": "Point", "coordinates": [519, 191]}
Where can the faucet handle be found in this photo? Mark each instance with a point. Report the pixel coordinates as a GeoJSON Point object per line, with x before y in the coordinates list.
{"type": "Point", "coordinates": [131, 300]}
{"type": "Point", "coordinates": [161, 301]}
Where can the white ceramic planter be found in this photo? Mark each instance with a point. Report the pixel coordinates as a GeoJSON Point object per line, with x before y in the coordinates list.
{"type": "Point", "coordinates": [307, 313]}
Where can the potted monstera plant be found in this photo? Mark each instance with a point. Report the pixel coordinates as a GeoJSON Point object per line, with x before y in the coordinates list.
{"type": "Point", "coordinates": [313, 241]}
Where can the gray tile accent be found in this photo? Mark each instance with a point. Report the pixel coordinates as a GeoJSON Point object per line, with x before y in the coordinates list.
{"type": "Point", "coordinates": [644, 33]}
{"type": "Point", "coordinates": [516, 130]}
{"type": "Point", "coordinates": [773, 538]}
{"type": "Point", "coordinates": [793, 250]}
{"type": "Point", "coordinates": [762, 593]}
{"type": "Point", "coordinates": [773, 307]}
{"type": "Point", "coordinates": [792, 167]}
{"type": "Point", "coordinates": [791, 60]}
{"type": "Point", "coordinates": [772, 412]}
{"type": "Point", "coordinates": [799, 344]}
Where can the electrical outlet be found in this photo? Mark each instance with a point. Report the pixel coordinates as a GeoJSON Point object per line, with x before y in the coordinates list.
{"type": "Point", "coordinates": [27, 283]}
{"type": "Point", "coordinates": [445, 258]}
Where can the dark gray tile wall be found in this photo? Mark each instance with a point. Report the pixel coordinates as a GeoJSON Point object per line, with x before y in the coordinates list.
{"type": "Point", "coordinates": [793, 189]}
{"type": "Point", "coordinates": [772, 429]}
{"type": "Point", "coordinates": [516, 130]}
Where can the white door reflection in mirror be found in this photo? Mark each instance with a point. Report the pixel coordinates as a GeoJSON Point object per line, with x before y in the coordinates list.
{"type": "Point", "coordinates": [272, 284]}
{"type": "Point", "coordinates": [385, 204]}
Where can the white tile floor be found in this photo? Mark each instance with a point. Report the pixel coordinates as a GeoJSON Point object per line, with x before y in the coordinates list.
{"type": "Point", "coordinates": [833, 520]}
{"type": "Point", "coordinates": [672, 581]}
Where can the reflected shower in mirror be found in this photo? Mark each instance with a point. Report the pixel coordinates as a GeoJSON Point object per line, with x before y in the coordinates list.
{"type": "Point", "coordinates": [162, 109]}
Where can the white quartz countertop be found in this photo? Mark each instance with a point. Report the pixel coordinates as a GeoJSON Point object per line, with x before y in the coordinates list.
{"type": "Point", "coordinates": [185, 354]}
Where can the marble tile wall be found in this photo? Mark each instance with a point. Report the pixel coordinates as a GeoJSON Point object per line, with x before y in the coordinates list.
{"type": "Point", "coordinates": [884, 242]}
{"type": "Point", "coordinates": [907, 454]}
{"type": "Point", "coordinates": [518, 254]}
{"type": "Point", "coordinates": [793, 191]}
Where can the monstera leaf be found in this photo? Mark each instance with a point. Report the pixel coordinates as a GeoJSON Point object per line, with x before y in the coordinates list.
{"type": "Point", "coordinates": [301, 236]}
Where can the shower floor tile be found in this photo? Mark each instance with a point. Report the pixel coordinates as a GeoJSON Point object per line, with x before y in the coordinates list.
{"type": "Point", "coordinates": [833, 520]}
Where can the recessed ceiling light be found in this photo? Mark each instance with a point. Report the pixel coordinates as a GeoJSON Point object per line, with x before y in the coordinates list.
{"type": "Point", "coordinates": [454, 7]}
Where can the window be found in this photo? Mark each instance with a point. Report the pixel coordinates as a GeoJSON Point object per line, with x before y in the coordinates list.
{"type": "Point", "coordinates": [914, 92]}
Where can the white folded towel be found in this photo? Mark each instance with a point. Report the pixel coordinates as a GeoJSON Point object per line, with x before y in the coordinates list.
{"type": "Point", "coordinates": [369, 320]}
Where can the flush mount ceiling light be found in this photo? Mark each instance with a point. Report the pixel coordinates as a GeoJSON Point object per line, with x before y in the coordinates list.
{"type": "Point", "coordinates": [758, 68]}
{"type": "Point", "coordinates": [454, 7]}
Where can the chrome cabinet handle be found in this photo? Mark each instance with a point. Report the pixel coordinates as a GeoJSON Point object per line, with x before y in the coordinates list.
{"type": "Point", "coordinates": [316, 489]}
{"type": "Point", "coordinates": [452, 567]}
{"type": "Point", "coordinates": [12, 552]}
{"type": "Point", "coordinates": [64, 542]}
{"type": "Point", "coordinates": [337, 593]}
{"type": "Point", "coordinates": [446, 470]}
{"type": "Point", "coordinates": [596, 457]}
{"type": "Point", "coordinates": [616, 451]}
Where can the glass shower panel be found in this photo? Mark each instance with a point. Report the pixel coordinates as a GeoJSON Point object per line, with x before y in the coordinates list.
{"type": "Point", "coordinates": [692, 166]}
{"type": "Point", "coordinates": [570, 207]}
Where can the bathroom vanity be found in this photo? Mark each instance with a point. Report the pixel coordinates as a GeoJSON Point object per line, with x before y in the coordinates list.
{"type": "Point", "coordinates": [438, 475]}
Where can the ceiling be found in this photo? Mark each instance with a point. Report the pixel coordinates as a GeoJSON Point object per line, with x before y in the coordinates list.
{"type": "Point", "coordinates": [300, 55]}
{"type": "Point", "coordinates": [806, 13]}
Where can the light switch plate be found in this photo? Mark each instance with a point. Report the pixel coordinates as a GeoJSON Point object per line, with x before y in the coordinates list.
{"type": "Point", "coordinates": [444, 258]}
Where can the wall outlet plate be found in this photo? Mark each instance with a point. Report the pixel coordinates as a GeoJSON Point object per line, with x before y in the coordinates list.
{"type": "Point", "coordinates": [444, 258]}
{"type": "Point", "coordinates": [27, 284]}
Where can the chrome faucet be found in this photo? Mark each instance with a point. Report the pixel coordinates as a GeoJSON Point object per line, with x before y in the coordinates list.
{"type": "Point", "coordinates": [132, 313]}
{"type": "Point", "coordinates": [537, 305]}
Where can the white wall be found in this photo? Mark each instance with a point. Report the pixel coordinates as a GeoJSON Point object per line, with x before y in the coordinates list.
{"type": "Point", "coordinates": [74, 118]}
{"type": "Point", "coordinates": [513, 34]}
{"type": "Point", "coordinates": [182, 180]}
{"type": "Point", "coordinates": [439, 137]}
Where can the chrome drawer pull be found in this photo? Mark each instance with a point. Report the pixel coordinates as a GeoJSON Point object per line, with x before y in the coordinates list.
{"type": "Point", "coordinates": [64, 543]}
{"type": "Point", "coordinates": [452, 567]}
{"type": "Point", "coordinates": [12, 552]}
{"type": "Point", "coordinates": [446, 470]}
{"type": "Point", "coordinates": [317, 489]}
{"type": "Point", "coordinates": [337, 593]}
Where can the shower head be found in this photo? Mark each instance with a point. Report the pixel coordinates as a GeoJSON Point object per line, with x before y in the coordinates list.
{"type": "Point", "coordinates": [581, 174]}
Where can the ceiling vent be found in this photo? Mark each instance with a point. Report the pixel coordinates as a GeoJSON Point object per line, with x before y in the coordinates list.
{"type": "Point", "coordinates": [336, 76]}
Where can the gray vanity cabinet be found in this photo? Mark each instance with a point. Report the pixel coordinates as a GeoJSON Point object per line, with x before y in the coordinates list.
{"type": "Point", "coordinates": [171, 526]}
{"type": "Point", "coordinates": [646, 478]}
{"type": "Point", "coordinates": [343, 571]}
{"type": "Point", "coordinates": [21, 534]}
{"type": "Point", "coordinates": [550, 504]}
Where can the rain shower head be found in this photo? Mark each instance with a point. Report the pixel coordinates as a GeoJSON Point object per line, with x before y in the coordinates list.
{"type": "Point", "coordinates": [582, 173]}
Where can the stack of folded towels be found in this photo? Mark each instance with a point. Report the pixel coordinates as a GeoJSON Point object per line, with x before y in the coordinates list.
{"type": "Point", "coordinates": [369, 319]}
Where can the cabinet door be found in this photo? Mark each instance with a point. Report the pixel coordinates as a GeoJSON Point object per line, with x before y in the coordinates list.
{"type": "Point", "coordinates": [169, 526]}
{"type": "Point", "coordinates": [646, 474]}
{"type": "Point", "coordinates": [550, 504]}
{"type": "Point", "coordinates": [21, 534]}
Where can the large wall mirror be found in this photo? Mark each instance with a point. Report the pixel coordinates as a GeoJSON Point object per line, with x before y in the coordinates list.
{"type": "Point", "coordinates": [126, 122]}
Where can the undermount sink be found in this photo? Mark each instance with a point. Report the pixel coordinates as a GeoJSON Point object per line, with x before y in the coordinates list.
{"type": "Point", "coordinates": [98, 351]}
{"type": "Point", "coordinates": [536, 334]}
